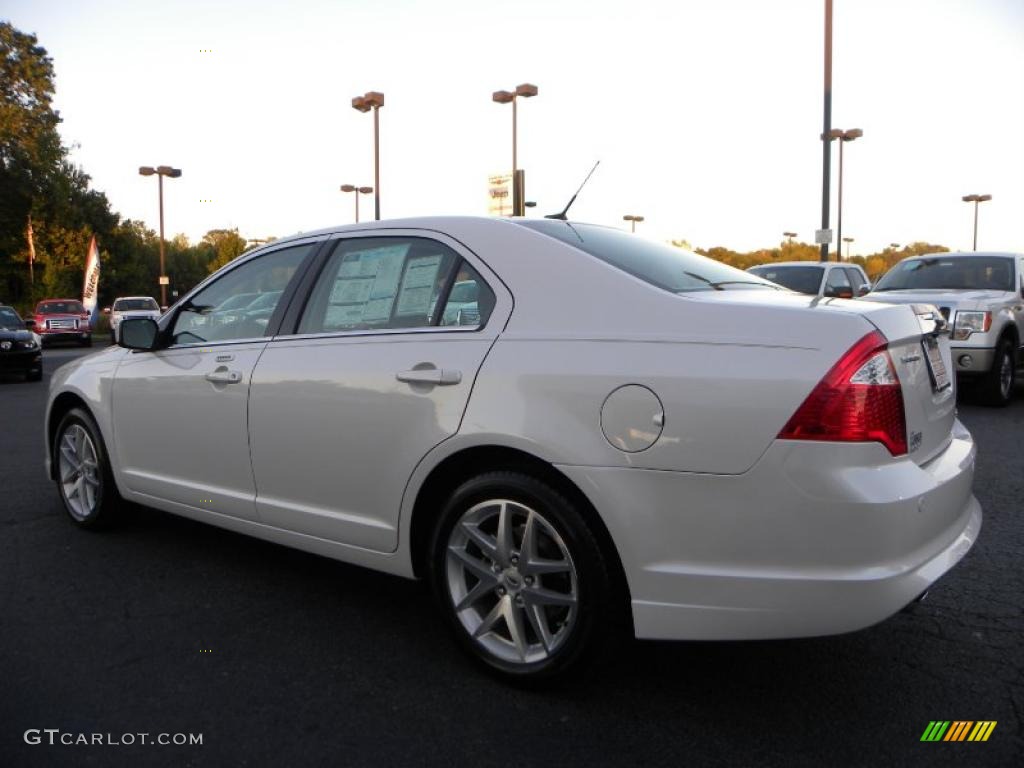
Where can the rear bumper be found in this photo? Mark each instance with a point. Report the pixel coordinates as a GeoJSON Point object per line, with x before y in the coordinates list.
{"type": "Point", "coordinates": [65, 334]}
{"type": "Point", "coordinates": [816, 539]}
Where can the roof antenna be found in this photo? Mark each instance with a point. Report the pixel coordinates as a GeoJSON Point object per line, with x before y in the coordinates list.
{"type": "Point", "coordinates": [561, 216]}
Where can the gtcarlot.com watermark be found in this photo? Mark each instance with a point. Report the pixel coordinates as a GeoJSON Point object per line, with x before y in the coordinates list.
{"type": "Point", "coordinates": [55, 737]}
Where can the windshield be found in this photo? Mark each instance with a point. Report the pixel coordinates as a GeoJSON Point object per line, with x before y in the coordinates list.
{"type": "Point", "coordinates": [797, 278]}
{"type": "Point", "coordinates": [61, 308]}
{"type": "Point", "coordinates": [9, 320]}
{"type": "Point", "coordinates": [135, 305]}
{"type": "Point", "coordinates": [665, 266]}
{"type": "Point", "coordinates": [990, 273]}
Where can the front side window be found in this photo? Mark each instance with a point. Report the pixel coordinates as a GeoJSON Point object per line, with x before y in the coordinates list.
{"type": "Point", "coordinates": [837, 283]}
{"type": "Point", "coordinates": [9, 320]}
{"type": "Point", "coordinates": [857, 279]}
{"type": "Point", "coordinates": [221, 310]}
{"type": "Point", "coordinates": [380, 282]}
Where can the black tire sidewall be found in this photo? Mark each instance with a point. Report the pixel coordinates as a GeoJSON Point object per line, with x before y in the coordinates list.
{"type": "Point", "coordinates": [993, 392]}
{"type": "Point", "coordinates": [593, 580]}
{"type": "Point", "coordinates": [107, 499]}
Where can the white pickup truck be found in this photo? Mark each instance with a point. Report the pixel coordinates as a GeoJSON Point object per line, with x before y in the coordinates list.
{"type": "Point", "coordinates": [981, 295]}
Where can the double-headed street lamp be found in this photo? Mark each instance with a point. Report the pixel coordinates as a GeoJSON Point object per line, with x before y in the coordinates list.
{"type": "Point", "coordinates": [160, 171]}
{"type": "Point", "coordinates": [847, 240]}
{"type": "Point", "coordinates": [843, 136]}
{"type": "Point", "coordinates": [373, 100]}
{"type": "Point", "coordinates": [633, 221]}
{"type": "Point", "coordinates": [359, 191]}
{"type": "Point", "coordinates": [526, 90]}
{"type": "Point", "coordinates": [789, 236]}
{"type": "Point", "coordinates": [976, 199]}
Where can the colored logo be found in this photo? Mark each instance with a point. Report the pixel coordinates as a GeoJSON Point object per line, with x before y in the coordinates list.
{"type": "Point", "coordinates": [958, 730]}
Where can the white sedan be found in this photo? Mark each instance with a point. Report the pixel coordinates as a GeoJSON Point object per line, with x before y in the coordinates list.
{"type": "Point", "coordinates": [626, 437]}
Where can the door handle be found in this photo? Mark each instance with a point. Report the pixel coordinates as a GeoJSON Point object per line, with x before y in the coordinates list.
{"type": "Point", "coordinates": [438, 376]}
{"type": "Point", "coordinates": [224, 377]}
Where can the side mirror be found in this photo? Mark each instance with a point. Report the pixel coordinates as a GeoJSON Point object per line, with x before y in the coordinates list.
{"type": "Point", "coordinates": [138, 333]}
{"type": "Point", "coordinates": [864, 290]}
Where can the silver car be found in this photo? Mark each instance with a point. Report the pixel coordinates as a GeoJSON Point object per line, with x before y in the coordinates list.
{"type": "Point", "coordinates": [621, 437]}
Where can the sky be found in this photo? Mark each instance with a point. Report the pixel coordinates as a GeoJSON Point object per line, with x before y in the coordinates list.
{"type": "Point", "coordinates": [705, 115]}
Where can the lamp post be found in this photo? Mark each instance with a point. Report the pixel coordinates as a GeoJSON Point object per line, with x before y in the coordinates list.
{"type": "Point", "coordinates": [526, 90]}
{"type": "Point", "coordinates": [976, 199]}
{"type": "Point", "coordinates": [160, 171]}
{"type": "Point", "coordinates": [843, 136]}
{"type": "Point", "coordinates": [359, 191]}
{"type": "Point", "coordinates": [790, 236]}
{"type": "Point", "coordinates": [633, 221]}
{"type": "Point", "coordinates": [847, 240]}
{"type": "Point", "coordinates": [373, 100]}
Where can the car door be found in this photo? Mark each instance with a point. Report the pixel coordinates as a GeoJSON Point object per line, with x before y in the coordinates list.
{"type": "Point", "coordinates": [377, 373]}
{"type": "Point", "coordinates": [179, 412]}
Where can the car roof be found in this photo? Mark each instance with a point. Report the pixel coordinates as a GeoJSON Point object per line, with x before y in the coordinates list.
{"type": "Point", "coordinates": [54, 301]}
{"type": "Point", "coordinates": [127, 298]}
{"type": "Point", "coordinates": [964, 255]}
{"type": "Point", "coordinates": [799, 264]}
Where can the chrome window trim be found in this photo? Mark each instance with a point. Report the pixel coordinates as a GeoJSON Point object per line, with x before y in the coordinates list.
{"type": "Point", "coordinates": [363, 333]}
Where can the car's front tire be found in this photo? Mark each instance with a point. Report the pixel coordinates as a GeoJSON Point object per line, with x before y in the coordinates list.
{"type": "Point", "coordinates": [997, 385]}
{"type": "Point", "coordinates": [87, 342]}
{"type": "Point", "coordinates": [82, 468]}
{"type": "Point", "coordinates": [521, 578]}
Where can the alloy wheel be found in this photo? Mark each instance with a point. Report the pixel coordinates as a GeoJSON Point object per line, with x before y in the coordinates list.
{"type": "Point", "coordinates": [512, 581]}
{"type": "Point", "coordinates": [80, 476]}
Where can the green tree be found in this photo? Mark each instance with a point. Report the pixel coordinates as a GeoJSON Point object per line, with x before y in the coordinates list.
{"type": "Point", "coordinates": [227, 245]}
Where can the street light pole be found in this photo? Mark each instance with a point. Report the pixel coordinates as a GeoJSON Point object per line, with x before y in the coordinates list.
{"type": "Point", "coordinates": [847, 240]}
{"type": "Point", "coordinates": [843, 136]}
{"type": "Point", "coordinates": [373, 100]}
{"type": "Point", "coordinates": [633, 221]}
{"type": "Point", "coordinates": [826, 158]}
{"type": "Point", "coordinates": [359, 191]}
{"type": "Point", "coordinates": [160, 171]}
{"type": "Point", "coordinates": [526, 90]}
{"type": "Point", "coordinates": [976, 199]}
{"type": "Point", "coordinates": [790, 236]}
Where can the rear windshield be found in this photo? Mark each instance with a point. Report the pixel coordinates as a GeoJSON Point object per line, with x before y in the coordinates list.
{"type": "Point", "coordinates": [61, 308]}
{"type": "Point", "coordinates": [798, 278]}
{"type": "Point", "coordinates": [990, 273]}
{"type": "Point", "coordinates": [135, 305]}
{"type": "Point", "coordinates": [660, 264]}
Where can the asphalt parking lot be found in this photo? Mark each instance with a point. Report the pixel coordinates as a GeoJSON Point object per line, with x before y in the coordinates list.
{"type": "Point", "coordinates": [281, 658]}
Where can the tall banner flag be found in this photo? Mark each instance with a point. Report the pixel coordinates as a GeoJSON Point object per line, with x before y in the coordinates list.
{"type": "Point", "coordinates": [90, 290]}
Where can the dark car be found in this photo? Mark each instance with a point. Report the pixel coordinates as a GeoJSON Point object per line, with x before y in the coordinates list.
{"type": "Point", "coordinates": [20, 349]}
{"type": "Point", "coordinates": [63, 320]}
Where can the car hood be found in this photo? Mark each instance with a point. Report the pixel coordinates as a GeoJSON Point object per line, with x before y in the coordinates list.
{"type": "Point", "coordinates": [941, 297]}
{"type": "Point", "coordinates": [14, 334]}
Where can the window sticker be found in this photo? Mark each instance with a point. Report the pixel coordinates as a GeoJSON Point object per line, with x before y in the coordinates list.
{"type": "Point", "coordinates": [418, 286]}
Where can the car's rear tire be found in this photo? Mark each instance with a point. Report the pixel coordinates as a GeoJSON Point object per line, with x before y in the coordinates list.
{"type": "Point", "coordinates": [86, 342]}
{"type": "Point", "coordinates": [82, 469]}
{"type": "Point", "coordinates": [997, 385]}
{"type": "Point", "coordinates": [522, 580]}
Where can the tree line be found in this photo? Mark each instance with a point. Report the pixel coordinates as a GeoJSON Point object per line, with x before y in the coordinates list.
{"type": "Point", "coordinates": [49, 211]}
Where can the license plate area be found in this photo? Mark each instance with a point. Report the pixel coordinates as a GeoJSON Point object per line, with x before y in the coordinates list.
{"type": "Point", "coordinates": [937, 370]}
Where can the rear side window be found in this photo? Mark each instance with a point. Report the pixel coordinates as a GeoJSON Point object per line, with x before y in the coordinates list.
{"type": "Point", "coordinates": [857, 280]}
{"type": "Point", "coordinates": [470, 301]}
{"type": "Point", "coordinates": [800, 279]}
{"type": "Point", "coordinates": [665, 266]}
{"type": "Point", "coordinates": [381, 282]}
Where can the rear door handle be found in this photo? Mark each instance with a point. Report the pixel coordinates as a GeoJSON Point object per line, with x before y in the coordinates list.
{"type": "Point", "coordinates": [439, 376]}
{"type": "Point", "coordinates": [224, 377]}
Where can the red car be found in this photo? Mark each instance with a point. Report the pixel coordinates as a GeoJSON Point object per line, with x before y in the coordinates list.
{"type": "Point", "coordinates": [62, 320]}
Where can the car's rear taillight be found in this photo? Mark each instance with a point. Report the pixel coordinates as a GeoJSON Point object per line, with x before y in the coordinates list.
{"type": "Point", "coordinates": [860, 400]}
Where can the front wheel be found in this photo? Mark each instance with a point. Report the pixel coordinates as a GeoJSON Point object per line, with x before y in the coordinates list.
{"type": "Point", "coordinates": [997, 386]}
{"type": "Point", "coordinates": [84, 479]}
{"type": "Point", "coordinates": [521, 579]}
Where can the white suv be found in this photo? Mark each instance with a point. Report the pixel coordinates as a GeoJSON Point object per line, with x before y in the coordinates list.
{"type": "Point", "coordinates": [831, 280]}
{"type": "Point", "coordinates": [982, 296]}
{"type": "Point", "coordinates": [130, 306]}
